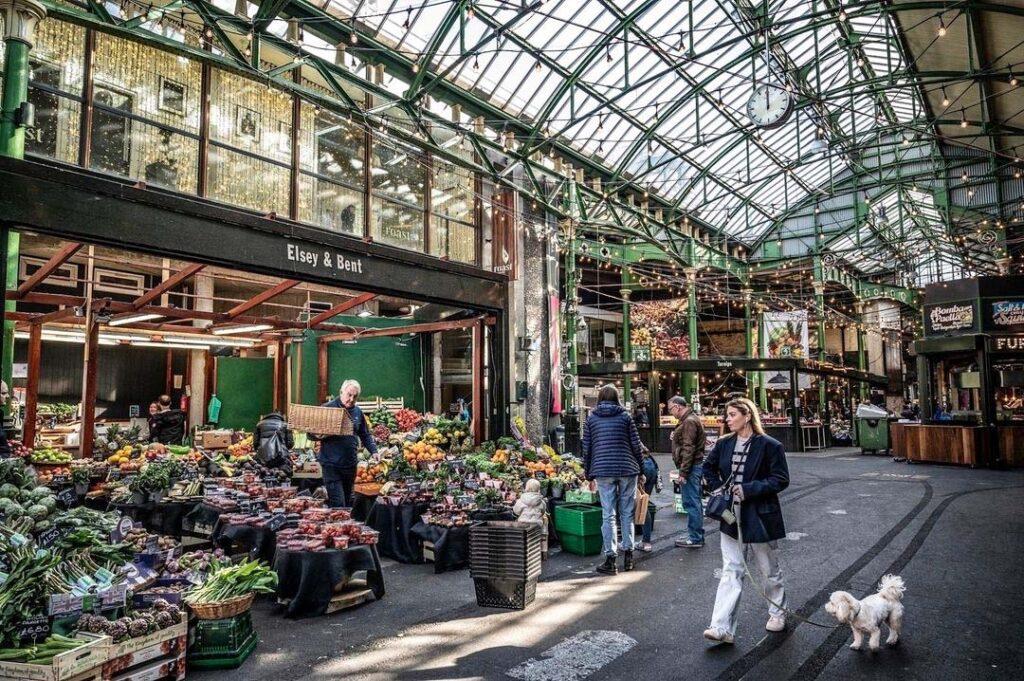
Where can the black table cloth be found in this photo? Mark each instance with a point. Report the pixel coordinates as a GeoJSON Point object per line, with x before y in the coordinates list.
{"type": "Point", "coordinates": [451, 544]}
{"type": "Point", "coordinates": [395, 526]}
{"type": "Point", "coordinates": [257, 542]}
{"type": "Point", "coordinates": [306, 579]}
{"type": "Point", "coordinates": [361, 505]}
{"type": "Point", "coordinates": [204, 515]}
{"type": "Point", "coordinates": [167, 517]}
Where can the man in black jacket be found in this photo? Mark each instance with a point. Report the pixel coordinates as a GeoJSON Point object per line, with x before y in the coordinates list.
{"type": "Point", "coordinates": [274, 440]}
{"type": "Point", "coordinates": [168, 425]}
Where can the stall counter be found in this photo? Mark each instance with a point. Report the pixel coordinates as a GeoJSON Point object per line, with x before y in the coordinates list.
{"type": "Point", "coordinates": [961, 444]}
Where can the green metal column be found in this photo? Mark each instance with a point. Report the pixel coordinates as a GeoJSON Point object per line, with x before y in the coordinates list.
{"type": "Point", "coordinates": [819, 299]}
{"type": "Point", "coordinates": [20, 20]}
{"type": "Point", "coordinates": [862, 358]}
{"type": "Point", "coordinates": [627, 348]}
{"type": "Point", "coordinates": [568, 229]}
{"type": "Point", "coordinates": [690, 380]}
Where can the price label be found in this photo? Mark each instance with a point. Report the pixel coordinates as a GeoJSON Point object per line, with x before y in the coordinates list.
{"type": "Point", "coordinates": [113, 473]}
{"type": "Point", "coordinates": [464, 500]}
{"type": "Point", "coordinates": [409, 480]}
{"type": "Point", "coordinates": [471, 484]}
{"type": "Point", "coordinates": [190, 474]}
{"type": "Point", "coordinates": [458, 465]}
{"type": "Point", "coordinates": [394, 475]}
{"type": "Point", "coordinates": [49, 537]}
{"type": "Point", "coordinates": [194, 577]}
{"type": "Point", "coordinates": [114, 597]}
{"type": "Point", "coordinates": [123, 527]}
{"type": "Point", "coordinates": [245, 506]}
{"type": "Point", "coordinates": [271, 481]}
{"type": "Point", "coordinates": [34, 629]}
{"type": "Point", "coordinates": [67, 498]}
{"type": "Point", "coordinates": [415, 486]}
{"type": "Point", "coordinates": [60, 480]}
{"type": "Point", "coordinates": [276, 522]}
{"type": "Point", "coordinates": [541, 475]}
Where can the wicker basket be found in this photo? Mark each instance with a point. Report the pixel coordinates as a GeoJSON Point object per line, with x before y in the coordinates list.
{"type": "Point", "coordinates": [319, 420]}
{"type": "Point", "coordinates": [223, 609]}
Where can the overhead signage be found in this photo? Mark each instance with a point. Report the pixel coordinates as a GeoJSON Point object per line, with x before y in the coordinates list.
{"type": "Point", "coordinates": [949, 318]}
{"type": "Point", "coordinates": [1007, 344]}
{"type": "Point", "coordinates": [1006, 315]}
{"type": "Point", "coordinates": [318, 260]}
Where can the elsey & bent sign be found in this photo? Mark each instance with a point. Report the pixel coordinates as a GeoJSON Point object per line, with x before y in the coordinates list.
{"type": "Point", "coordinates": [324, 259]}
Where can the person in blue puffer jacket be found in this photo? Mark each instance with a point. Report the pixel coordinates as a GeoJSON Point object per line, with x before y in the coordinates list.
{"type": "Point", "coordinates": [612, 455]}
{"type": "Point", "coordinates": [339, 453]}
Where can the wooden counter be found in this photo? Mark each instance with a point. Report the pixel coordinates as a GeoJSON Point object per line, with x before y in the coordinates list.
{"type": "Point", "coordinates": [1011, 445]}
{"type": "Point", "coordinates": [963, 445]}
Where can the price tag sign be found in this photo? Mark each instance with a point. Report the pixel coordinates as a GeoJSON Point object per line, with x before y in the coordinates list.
{"type": "Point", "coordinates": [123, 527]}
{"type": "Point", "coordinates": [541, 475]}
{"type": "Point", "coordinates": [190, 474]}
{"type": "Point", "coordinates": [49, 537]}
{"type": "Point", "coordinates": [60, 481]}
{"type": "Point", "coordinates": [277, 522]}
{"type": "Point", "coordinates": [113, 473]}
{"type": "Point", "coordinates": [34, 629]}
{"type": "Point", "coordinates": [394, 475]}
{"type": "Point", "coordinates": [245, 506]}
{"type": "Point", "coordinates": [459, 465]}
{"type": "Point", "coordinates": [114, 597]}
{"type": "Point", "coordinates": [415, 486]}
{"type": "Point", "coordinates": [464, 500]}
{"type": "Point", "coordinates": [271, 481]}
{"type": "Point", "coordinates": [67, 498]}
{"type": "Point", "coordinates": [409, 480]}
{"type": "Point", "coordinates": [472, 485]}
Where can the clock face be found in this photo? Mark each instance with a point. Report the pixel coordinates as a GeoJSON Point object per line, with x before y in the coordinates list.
{"type": "Point", "coordinates": [769, 106]}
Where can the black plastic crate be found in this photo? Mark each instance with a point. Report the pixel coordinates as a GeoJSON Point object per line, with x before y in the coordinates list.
{"type": "Point", "coordinates": [501, 573]}
{"type": "Point", "coordinates": [509, 594]}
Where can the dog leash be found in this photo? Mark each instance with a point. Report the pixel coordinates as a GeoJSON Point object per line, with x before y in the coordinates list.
{"type": "Point", "coordinates": [763, 591]}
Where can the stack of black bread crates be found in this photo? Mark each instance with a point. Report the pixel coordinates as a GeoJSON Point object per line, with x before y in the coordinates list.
{"type": "Point", "coordinates": [504, 561]}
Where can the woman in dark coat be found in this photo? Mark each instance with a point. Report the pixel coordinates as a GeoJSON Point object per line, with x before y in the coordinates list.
{"type": "Point", "coordinates": [753, 466]}
{"type": "Point", "coordinates": [612, 456]}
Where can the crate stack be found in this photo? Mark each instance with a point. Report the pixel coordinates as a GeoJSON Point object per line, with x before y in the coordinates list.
{"type": "Point", "coordinates": [505, 562]}
{"type": "Point", "coordinates": [222, 643]}
{"type": "Point", "coordinates": [579, 528]}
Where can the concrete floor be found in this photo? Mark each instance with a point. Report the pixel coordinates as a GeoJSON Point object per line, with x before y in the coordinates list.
{"type": "Point", "coordinates": [955, 535]}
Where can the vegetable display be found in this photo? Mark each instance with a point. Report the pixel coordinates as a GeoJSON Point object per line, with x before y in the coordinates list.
{"type": "Point", "coordinates": [231, 581]}
{"type": "Point", "coordinates": [42, 653]}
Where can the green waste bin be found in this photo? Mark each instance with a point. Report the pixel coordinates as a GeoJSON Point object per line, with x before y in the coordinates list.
{"type": "Point", "coordinates": [872, 429]}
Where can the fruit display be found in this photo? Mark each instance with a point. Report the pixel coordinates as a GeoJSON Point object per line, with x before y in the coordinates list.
{"type": "Point", "coordinates": [241, 450]}
{"type": "Point", "coordinates": [47, 475]}
{"type": "Point", "coordinates": [19, 449]}
{"type": "Point", "coordinates": [376, 472]}
{"type": "Point", "coordinates": [539, 467]}
{"type": "Point", "coordinates": [422, 452]}
{"type": "Point", "coordinates": [381, 433]}
{"type": "Point", "coordinates": [51, 457]}
{"type": "Point", "coordinates": [115, 437]}
{"type": "Point", "coordinates": [408, 419]}
{"type": "Point", "coordinates": [382, 416]}
{"type": "Point", "coordinates": [433, 436]}
{"type": "Point", "coordinates": [57, 411]}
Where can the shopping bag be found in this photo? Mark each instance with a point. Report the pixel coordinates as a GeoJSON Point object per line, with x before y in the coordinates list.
{"type": "Point", "coordinates": [640, 510]}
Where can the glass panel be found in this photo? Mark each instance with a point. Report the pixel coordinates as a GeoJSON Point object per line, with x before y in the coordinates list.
{"type": "Point", "coordinates": [163, 87]}
{"type": "Point", "coordinates": [398, 172]}
{"type": "Point", "coordinates": [397, 224]}
{"type": "Point", "coordinates": [330, 205]}
{"type": "Point", "coordinates": [331, 146]}
{"type": "Point", "coordinates": [250, 116]}
{"type": "Point", "coordinates": [132, 148]}
{"type": "Point", "coordinates": [454, 240]}
{"type": "Point", "coordinates": [246, 181]}
{"type": "Point", "coordinates": [55, 134]}
{"type": "Point", "coordinates": [61, 46]}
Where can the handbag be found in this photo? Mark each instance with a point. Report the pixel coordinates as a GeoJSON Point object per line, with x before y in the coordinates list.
{"type": "Point", "coordinates": [643, 499]}
{"type": "Point", "coordinates": [718, 506]}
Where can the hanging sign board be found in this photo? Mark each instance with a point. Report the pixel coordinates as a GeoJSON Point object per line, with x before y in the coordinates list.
{"type": "Point", "coordinates": [949, 319]}
{"type": "Point", "coordinates": [1004, 316]}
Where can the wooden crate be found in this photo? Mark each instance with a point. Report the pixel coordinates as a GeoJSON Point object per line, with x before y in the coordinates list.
{"type": "Point", "coordinates": [75, 665]}
{"type": "Point", "coordinates": [319, 420]}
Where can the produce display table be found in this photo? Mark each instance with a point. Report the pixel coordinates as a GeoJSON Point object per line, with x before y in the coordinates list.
{"type": "Point", "coordinates": [451, 544]}
{"type": "Point", "coordinates": [307, 580]}
{"type": "Point", "coordinates": [395, 526]}
{"type": "Point", "coordinates": [164, 517]}
{"type": "Point", "coordinates": [201, 520]}
{"type": "Point", "coordinates": [257, 542]}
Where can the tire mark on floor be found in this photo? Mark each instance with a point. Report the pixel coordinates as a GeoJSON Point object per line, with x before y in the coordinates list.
{"type": "Point", "coordinates": [770, 644]}
{"type": "Point", "coordinates": [830, 647]}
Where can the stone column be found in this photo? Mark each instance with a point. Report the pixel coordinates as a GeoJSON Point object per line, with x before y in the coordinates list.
{"type": "Point", "coordinates": [537, 405]}
{"type": "Point", "coordinates": [197, 358]}
{"type": "Point", "coordinates": [690, 380]}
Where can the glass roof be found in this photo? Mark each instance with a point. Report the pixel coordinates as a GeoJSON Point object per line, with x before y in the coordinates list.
{"type": "Point", "coordinates": [656, 90]}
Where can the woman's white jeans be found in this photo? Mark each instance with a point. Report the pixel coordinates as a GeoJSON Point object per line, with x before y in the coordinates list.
{"type": "Point", "coordinates": [764, 565]}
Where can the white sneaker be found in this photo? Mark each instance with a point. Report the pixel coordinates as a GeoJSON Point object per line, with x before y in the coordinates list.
{"type": "Point", "coordinates": [775, 624]}
{"type": "Point", "coordinates": [719, 635]}
{"type": "Point", "coordinates": [646, 547]}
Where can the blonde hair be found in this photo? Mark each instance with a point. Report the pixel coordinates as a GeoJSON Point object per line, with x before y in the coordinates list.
{"type": "Point", "coordinates": [747, 408]}
{"type": "Point", "coordinates": [532, 485]}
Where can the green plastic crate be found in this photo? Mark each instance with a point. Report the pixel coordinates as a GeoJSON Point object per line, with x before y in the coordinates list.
{"type": "Point", "coordinates": [581, 496]}
{"type": "Point", "coordinates": [578, 519]}
{"type": "Point", "coordinates": [222, 644]}
{"type": "Point", "coordinates": [589, 545]}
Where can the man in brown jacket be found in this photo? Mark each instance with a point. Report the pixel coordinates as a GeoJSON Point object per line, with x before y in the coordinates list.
{"type": "Point", "coordinates": [688, 455]}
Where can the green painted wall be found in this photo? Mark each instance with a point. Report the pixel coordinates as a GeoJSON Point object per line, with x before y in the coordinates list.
{"type": "Point", "coordinates": [245, 386]}
{"type": "Point", "coordinates": [383, 368]}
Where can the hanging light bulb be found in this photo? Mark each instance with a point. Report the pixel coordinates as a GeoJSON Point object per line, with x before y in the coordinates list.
{"type": "Point", "coordinates": [945, 99]}
{"type": "Point", "coordinates": [942, 28]}
{"type": "Point", "coordinates": [963, 119]}
{"type": "Point", "coordinates": [408, 20]}
{"type": "Point", "coordinates": [1013, 79]}
{"type": "Point", "coordinates": [476, 63]}
{"type": "Point", "coordinates": [842, 13]}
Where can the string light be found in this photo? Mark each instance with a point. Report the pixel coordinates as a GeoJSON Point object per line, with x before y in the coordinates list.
{"type": "Point", "coordinates": [942, 28]}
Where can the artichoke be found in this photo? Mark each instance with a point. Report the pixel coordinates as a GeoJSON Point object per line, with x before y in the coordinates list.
{"type": "Point", "coordinates": [164, 619]}
{"type": "Point", "coordinates": [118, 631]}
{"type": "Point", "coordinates": [139, 627]}
{"type": "Point", "coordinates": [160, 604]}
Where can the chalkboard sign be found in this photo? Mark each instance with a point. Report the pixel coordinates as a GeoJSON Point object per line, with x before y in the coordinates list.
{"type": "Point", "coordinates": [409, 480]}
{"type": "Point", "coordinates": [67, 498]}
{"type": "Point", "coordinates": [394, 475]}
{"type": "Point", "coordinates": [48, 538]}
{"type": "Point", "coordinates": [415, 486]}
{"type": "Point", "coordinates": [34, 629]}
{"type": "Point", "coordinates": [123, 527]}
{"type": "Point", "coordinates": [271, 481]}
{"type": "Point", "coordinates": [464, 500]}
{"type": "Point", "coordinates": [60, 480]}
{"type": "Point", "coordinates": [458, 465]}
{"type": "Point", "coordinates": [244, 506]}
{"type": "Point", "coordinates": [190, 474]}
{"type": "Point", "coordinates": [541, 475]}
{"type": "Point", "coordinates": [113, 473]}
{"type": "Point", "coordinates": [277, 522]}
{"type": "Point", "coordinates": [471, 484]}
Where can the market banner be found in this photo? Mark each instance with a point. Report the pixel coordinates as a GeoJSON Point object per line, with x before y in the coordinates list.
{"type": "Point", "coordinates": [503, 237]}
{"type": "Point", "coordinates": [785, 337]}
{"type": "Point", "coordinates": [946, 319]}
{"type": "Point", "coordinates": [1005, 316]}
{"type": "Point", "coordinates": [555, 352]}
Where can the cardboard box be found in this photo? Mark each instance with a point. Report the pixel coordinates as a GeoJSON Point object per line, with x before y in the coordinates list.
{"type": "Point", "coordinates": [214, 439]}
{"type": "Point", "coordinates": [69, 666]}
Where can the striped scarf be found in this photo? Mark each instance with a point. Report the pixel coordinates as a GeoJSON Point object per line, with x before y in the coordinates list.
{"type": "Point", "coordinates": [739, 459]}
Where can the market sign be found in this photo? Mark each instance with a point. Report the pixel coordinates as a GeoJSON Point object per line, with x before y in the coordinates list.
{"type": "Point", "coordinates": [949, 318]}
{"type": "Point", "coordinates": [1005, 315]}
{"type": "Point", "coordinates": [1014, 344]}
{"type": "Point", "coordinates": [317, 260]}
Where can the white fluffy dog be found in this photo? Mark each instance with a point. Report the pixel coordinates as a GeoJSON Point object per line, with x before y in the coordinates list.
{"type": "Point", "coordinates": [865, 616]}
